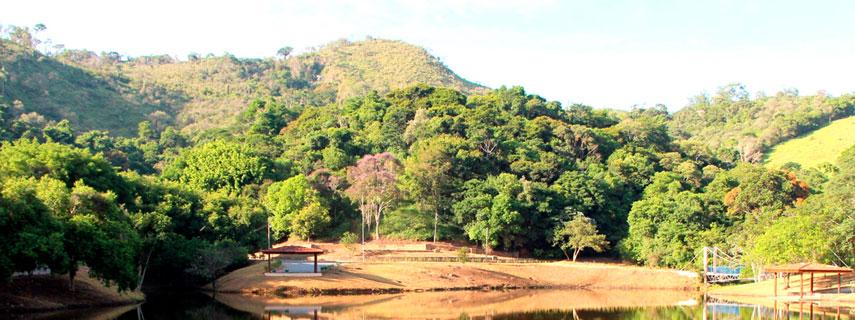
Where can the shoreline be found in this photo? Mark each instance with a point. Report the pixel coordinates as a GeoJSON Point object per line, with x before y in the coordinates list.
{"type": "Point", "coordinates": [50, 293]}
{"type": "Point", "coordinates": [414, 277]}
{"type": "Point", "coordinates": [294, 292]}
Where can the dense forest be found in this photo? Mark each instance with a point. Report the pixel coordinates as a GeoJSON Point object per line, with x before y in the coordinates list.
{"type": "Point", "coordinates": [503, 169]}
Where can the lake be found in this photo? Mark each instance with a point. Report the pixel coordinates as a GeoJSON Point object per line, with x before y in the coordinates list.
{"type": "Point", "coordinates": [517, 304]}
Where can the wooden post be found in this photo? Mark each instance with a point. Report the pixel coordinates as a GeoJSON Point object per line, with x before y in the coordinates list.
{"type": "Point", "coordinates": [316, 263]}
{"type": "Point", "coordinates": [775, 277]}
{"type": "Point", "coordinates": [787, 286]}
{"type": "Point", "coordinates": [811, 283]}
{"type": "Point", "coordinates": [268, 262]}
{"type": "Point", "coordinates": [839, 282]}
{"type": "Point", "coordinates": [801, 285]}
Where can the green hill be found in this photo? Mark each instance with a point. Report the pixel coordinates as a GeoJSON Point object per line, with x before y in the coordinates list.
{"type": "Point", "coordinates": [731, 119]}
{"type": "Point", "coordinates": [110, 92]}
{"type": "Point", "coordinates": [354, 68]}
{"type": "Point", "coordinates": [49, 89]}
{"type": "Point", "coordinates": [821, 146]}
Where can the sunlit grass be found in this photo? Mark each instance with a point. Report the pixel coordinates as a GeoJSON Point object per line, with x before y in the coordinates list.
{"type": "Point", "coordinates": [815, 148]}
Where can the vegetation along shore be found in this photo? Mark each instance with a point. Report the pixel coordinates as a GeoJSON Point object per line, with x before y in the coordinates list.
{"type": "Point", "coordinates": [121, 173]}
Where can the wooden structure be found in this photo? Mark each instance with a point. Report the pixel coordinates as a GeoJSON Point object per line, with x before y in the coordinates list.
{"type": "Point", "coordinates": [801, 269]}
{"type": "Point", "coordinates": [293, 250]}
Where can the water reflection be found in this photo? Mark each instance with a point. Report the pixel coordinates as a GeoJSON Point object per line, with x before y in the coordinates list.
{"type": "Point", "coordinates": [520, 304]}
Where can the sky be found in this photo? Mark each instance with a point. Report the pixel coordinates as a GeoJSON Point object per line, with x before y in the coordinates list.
{"type": "Point", "coordinates": [607, 54]}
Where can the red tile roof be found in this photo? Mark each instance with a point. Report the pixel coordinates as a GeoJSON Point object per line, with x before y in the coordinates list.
{"type": "Point", "coordinates": [292, 250]}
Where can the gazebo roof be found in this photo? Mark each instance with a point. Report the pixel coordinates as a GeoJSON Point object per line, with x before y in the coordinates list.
{"type": "Point", "coordinates": [292, 250]}
{"type": "Point", "coordinates": [807, 267]}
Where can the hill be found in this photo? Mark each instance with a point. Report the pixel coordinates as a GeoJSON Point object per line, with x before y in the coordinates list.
{"type": "Point", "coordinates": [820, 146]}
{"type": "Point", "coordinates": [114, 93]}
{"type": "Point", "coordinates": [354, 68]}
{"type": "Point", "coordinates": [731, 119]}
{"type": "Point", "coordinates": [55, 90]}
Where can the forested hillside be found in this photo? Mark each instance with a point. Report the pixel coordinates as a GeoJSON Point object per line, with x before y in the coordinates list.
{"type": "Point", "coordinates": [112, 92]}
{"type": "Point", "coordinates": [744, 127]}
{"type": "Point", "coordinates": [504, 169]}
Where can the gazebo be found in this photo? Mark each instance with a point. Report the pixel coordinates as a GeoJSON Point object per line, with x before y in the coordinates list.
{"type": "Point", "coordinates": [801, 269]}
{"type": "Point", "coordinates": [293, 250]}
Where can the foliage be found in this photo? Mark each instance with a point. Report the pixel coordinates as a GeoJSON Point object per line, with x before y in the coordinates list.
{"type": "Point", "coordinates": [126, 183]}
{"type": "Point", "coordinates": [349, 240]}
{"type": "Point", "coordinates": [578, 234]}
{"type": "Point", "coordinates": [219, 165]}
{"type": "Point", "coordinates": [374, 186]}
{"type": "Point", "coordinates": [296, 207]}
{"type": "Point", "coordinates": [731, 119]}
{"type": "Point", "coordinates": [463, 255]}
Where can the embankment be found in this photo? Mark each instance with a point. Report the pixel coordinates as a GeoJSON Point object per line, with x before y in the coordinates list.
{"type": "Point", "coordinates": [397, 277]}
{"type": "Point", "coordinates": [46, 293]}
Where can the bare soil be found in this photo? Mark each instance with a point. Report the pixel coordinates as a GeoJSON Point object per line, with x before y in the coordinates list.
{"type": "Point", "coordinates": [358, 277]}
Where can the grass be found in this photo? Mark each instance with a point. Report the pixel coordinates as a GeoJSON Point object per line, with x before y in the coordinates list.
{"type": "Point", "coordinates": [209, 92]}
{"type": "Point", "coordinates": [820, 146]}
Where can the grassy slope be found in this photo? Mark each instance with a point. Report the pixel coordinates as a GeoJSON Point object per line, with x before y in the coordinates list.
{"type": "Point", "coordinates": [354, 68]}
{"type": "Point", "coordinates": [209, 92]}
{"type": "Point", "coordinates": [58, 90]}
{"type": "Point", "coordinates": [823, 145]}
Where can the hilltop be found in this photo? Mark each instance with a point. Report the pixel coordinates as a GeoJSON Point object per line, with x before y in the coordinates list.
{"type": "Point", "coordinates": [114, 93]}
{"type": "Point", "coordinates": [818, 147]}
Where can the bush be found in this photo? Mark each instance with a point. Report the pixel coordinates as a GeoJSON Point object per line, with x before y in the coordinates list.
{"type": "Point", "coordinates": [349, 240]}
{"type": "Point", "coordinates": [463, 255]}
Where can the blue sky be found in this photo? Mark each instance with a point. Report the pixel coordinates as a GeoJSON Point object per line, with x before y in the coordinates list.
{"type": "Point", "coordinates": [613, 54]}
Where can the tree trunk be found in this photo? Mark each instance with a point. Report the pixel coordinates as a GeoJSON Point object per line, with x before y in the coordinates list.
{"type": "Point", "coordinates": [565, 253]}
{"type": "Point", "coordinates": [71, 275]}
{"type": "Point", "coordinates": [144, 268]}
{"type": "Point", "coordinates": [377, 227]}
{"type": "Point", "coordinates": [435, 222]}
{"type": "Point", "coordinates": [576, 254]}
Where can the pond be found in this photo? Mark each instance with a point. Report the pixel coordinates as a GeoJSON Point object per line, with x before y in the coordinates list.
{"type": "Point", "coordinates": [518, 304]}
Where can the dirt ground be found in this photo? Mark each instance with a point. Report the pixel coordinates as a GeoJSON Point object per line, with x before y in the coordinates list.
{"type": "Point", "coordinates": [825, 291]}
{"type": "Point", "coordinates": [425, 276]}
{"type": "Point", "coordinates": [52, 293]}
{"type": "Point", "coordinates": [451, 305]}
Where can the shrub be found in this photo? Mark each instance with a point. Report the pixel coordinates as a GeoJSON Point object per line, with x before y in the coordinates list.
{"type": "Point", "coordinates": [463, 255]}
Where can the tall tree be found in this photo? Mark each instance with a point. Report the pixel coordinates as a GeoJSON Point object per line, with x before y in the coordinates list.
{"type": "Point", "coordinates": [374, 185]}
{"type": "Point", "coordinates": [296, 207]}
{"type": "Point", "coordinates": [429, 174]}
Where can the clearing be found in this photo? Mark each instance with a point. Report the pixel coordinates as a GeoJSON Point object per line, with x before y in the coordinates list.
{"type": "Point", "coordinates": [815, 148]}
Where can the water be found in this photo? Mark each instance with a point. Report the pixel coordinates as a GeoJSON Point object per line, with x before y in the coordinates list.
{"type": "Point", "coordinates": [520, 304]}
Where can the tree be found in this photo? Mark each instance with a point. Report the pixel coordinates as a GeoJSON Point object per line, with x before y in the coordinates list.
{"type": "Point", "coordinates": [578, 234]}
{"type": "Point", "coordinates": [212, 259]}
{"type": "Point", "coordinates": [60, 132]}
{"type": "Point", "coordinates": [99, 235]}
{"type": "Point", "coordinates": [430, 176]}
{"type": "Point", "coordinates": [29, 235]}
{"type": "Point", "coordinates": [284, 52]}
{"type": "Point", "coordinates": [218, 165]}
{"type": "Point", "coordinates": [373, 185]}
{"type": "Point", "coordinates": [296, 208]}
